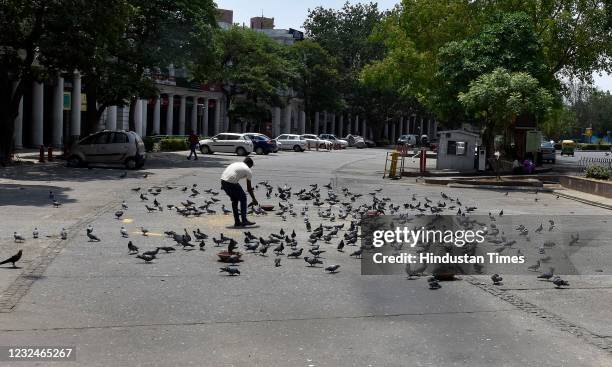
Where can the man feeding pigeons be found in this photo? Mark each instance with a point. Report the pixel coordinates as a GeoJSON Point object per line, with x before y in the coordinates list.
{"type": "Point", "coordinates": [229, 183]}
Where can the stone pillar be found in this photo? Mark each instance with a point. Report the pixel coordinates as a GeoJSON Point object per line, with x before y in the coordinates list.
{"type": "Point", "coordinates": [138, 116]}
{"type": "Point", "coordinates": [348, 124]}
{"type": "Point", "coordinates": [170, 114]}
{"type": "Point", "coordinates": [332, 122]}
{"type": "Point", "coordinates": [401, 126]}
{"type": "Point", "coordinates": [325, 127]}
{"type": "Point", "coordinates": [386, 130]}
{"type": "Point", "coordinates": [58, 113]}
{"type": "Point", "coordinates": [316, 123]}
{"type": "Point", "coordinates": [302, 129]}
{"type": "Point", "coordinates": [435, 128]}
{"type": "Point", "coordinates": [145, 117]}
{"type": "Point", "coordinates": [363, 128]}
{"type": "Point", "coordinates": [357, 127]}
{"type": "Point", "coordinates": [420, 132]}
{"type": "Point", "coordinates": [218, 107]}
{"type": "Point", "coordinates": [194, 115]}
{"type": "Point", "coordinates": [341, 126]}
{"type": "Point", "coordinates": [111, 118]}
{"type": "Point", "coordinates": [276, 124]}
{"type": "Point", "coordinates": [205, 119]}
{"type": "Point", "coordinates": [37, 113]}
{"type": "Point", "coordinates": [287, 120]}
{"type": "Point", "coordinates": [157, 116]}
{"type": "Point", "coordinates": [75, 112]}
{"type": "Point", "coordinates": [18, 135]}
{"type": "Point", "coordinates": [182, 113]}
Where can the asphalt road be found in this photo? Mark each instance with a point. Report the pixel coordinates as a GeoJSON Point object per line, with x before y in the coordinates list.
{"type": "Point", "coordinates": [179, 310]}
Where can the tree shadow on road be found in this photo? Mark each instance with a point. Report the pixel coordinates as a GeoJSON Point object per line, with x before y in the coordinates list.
{"type": "Point", "coordinates": [32, 195]}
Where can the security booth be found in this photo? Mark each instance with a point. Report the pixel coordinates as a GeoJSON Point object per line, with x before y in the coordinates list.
{"type": "Point", "coordinates": [458, 150]}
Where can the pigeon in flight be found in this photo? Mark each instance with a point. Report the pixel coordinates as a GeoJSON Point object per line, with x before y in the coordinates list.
{"type": "Point", "coordinates": [13, 259]}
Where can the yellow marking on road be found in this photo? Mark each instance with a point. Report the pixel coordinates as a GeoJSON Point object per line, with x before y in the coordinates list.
{"type": "Point", "coordinates": [127, 220]}
{"type": "Point", "coordinates": [149, 234]}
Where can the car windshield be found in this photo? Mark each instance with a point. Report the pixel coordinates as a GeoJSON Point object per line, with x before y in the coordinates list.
{"type": "Point", "coordinates": [547, 144]}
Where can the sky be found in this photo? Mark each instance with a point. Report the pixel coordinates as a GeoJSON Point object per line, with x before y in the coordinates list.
{"type": "Point", "coordinates": [291, 14]}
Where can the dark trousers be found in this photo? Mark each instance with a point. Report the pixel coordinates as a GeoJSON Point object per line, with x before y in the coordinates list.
{"type": "Point", "coordinates": [193, 151]}
{"type": "Point", "coordinates": [236, 194]}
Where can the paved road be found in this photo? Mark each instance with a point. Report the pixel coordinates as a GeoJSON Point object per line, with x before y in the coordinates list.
{"type": "Point", "coordinates": [180, 311]}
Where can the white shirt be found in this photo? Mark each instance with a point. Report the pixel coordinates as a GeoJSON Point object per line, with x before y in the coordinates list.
{"type": "Point", "coordinates": [236, 172]}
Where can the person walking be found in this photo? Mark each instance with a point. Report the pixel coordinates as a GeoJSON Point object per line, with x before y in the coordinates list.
{"type": "Point", "coordinates": [230, 179]}
{"type": "Point", "coordinates": [193, 139]}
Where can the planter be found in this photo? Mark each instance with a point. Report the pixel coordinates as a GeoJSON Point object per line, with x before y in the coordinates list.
{"type": "Point", "coordinates": [587, 185]}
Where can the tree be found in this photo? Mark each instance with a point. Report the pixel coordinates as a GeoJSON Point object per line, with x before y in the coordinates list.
{"type": "Point", "coordinates": [251, 67]}
{"type": "Point", "coordinates": [499, 97]}
{"type": "Point", "coordinates": [316, 78]}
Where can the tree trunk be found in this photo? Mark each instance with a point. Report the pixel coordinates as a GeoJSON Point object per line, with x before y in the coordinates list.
{"type": "Point", "coordinates": [132, 123]}
{"type": "Point", "coordinates": [91, 115]}
{"type": "Point", "coordinates": [9, 109]}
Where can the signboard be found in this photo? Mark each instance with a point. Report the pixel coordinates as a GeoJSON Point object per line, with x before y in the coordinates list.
{"type": "Point", "coordinates": [533, 141]}
{"type": "Point", "coordinates": [83, 102]}
{"type": "Point", "coordinates": [588, 131]}
{"type": "Point", "coordinates": [67, 101]}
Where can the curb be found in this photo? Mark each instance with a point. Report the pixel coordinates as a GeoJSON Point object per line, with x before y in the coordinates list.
{"type": "Point", "coordinates": [581, 200]}
{"type": "Point", "coordinates": [500, 188]}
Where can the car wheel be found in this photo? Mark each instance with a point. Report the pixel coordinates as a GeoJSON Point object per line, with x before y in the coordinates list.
{"type": "Point", "coordinates": [268, 152]}
{"type": "Point", "coordinates": [241, 151]}
{"type": "Point", "coordinates": [130, 163]}
{"type": "Point", "coordinates": [259, 151]}
{"type": "Point", "coordinates": [74, 161]}
{"type": "Point", "coordinates": [297, 148]}
{"type": "Point", "coordinates": [205, 149]}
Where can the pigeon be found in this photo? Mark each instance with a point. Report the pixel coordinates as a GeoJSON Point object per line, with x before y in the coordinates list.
{"type": "Point", "coordinates": [92, 237]}
{"type": "Point", "coordinates": [277, 262]}
{"type": "Point", "coordinates": [434, 284]}
{"type": "Point", "coordinates": [167, 249]}
{"type": "Point", "coordinates": [35, 233]}
{"type": "Point", "coordinates": [63, 234]}
{"type": "Point", "coordinates": [296, 253]}
{"type": "Point", "coordinates": [225, 210]}
{"type": "Point", "coordinates": [124, 232]}
{"type": "Point", "coordinates": [332, 269]}
{"type": "Point", "coordinates": [558, 282]}
{"type": "Point", "coordinates": [144, 231]}
{"type": "Point", "coordinates": [230, 271]}
{"type": "Point", "coordinates": [18, 237]}
{"type": "Point", "coordinates": [143, 197]}
{"type": "Point", "coordinates": [124, 205]}
{"type": "Point", "coordinates": [547, 275]}
{"type": "Point", "coordinates": [357, 253]}
{"type": "Point", "coordinates": [146, 258]}
{"type": "Point", "coordinates": [151, 253]}
{"type": "Point", "coordinates": [56, 204]}
{"type": "Point", "coordinates": [496, 279]}
{"type": "Point", "coordinates": [51, 196]}
{"type": "Point", "coordinates": [131, 248]}
{"type": "Point", "coordinates": [535, 266]}
{"type": "Point", "coordinates": [340, 246]}
{"type": "Point", "coordinates": [13, 259]}
{"type": "Point", "coordinates": [202, 244]}
{"type": "Point", "coordinates": [312, 261]}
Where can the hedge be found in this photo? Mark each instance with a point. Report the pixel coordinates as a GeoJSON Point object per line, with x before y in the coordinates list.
{"type": "Point", "coordinates": [173, 144]}
{"type": "Point", "coordinates": [605, 147]}
{"type": "Point", "coordinates": [598, 172]}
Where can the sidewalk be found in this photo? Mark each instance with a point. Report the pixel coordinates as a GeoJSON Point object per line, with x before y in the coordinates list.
{"type": "Point", "coordinates": [583, 197]}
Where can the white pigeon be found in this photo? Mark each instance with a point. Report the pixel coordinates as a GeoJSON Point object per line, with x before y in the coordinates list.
{"type": "Point", "coordinates": [124, 232]}
{"type": "Point", "coordinates": [35, 233]}
{"type": "Point", "coordinates": [63, 234]}
{"type": "Point", "coordinates": [124, 205]}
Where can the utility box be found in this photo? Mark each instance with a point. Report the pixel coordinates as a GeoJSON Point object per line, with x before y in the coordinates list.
{"type": "Point", "coordinates": [533, 140]}
{"type": "Point", "coordinates": [482, 158]}
{"type": "Point", "coordinates": [457, 150]}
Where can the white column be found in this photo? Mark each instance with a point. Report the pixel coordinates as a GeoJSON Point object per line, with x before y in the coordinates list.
{"type": "Point", "coordinates": [138, 116]}
{"type": "Point", "coordinates": [75, 112]}
{"type": "Point", "coordinates": [316, 123]}
{"type": "Point", "coordinates": [111, 118]}
{"type": "Point", "coordinates": [58, 112]}
{"type": "Point", "coordinates": [37, 113]}
{"type": "Point", "coordinates": [276, 125]}
{"type": "Point", "coordinates": [182, 113]}
{"type": "Point", "coordinates": [302, 120]}
{"type": "Point", "coordinates": [217, 116]}
{"type": "Point", "coordinates": [341, 126]}
{"type": "Point", "coordinates": [157, 115]}
{"type": "Point", "coordinates": [145, 116]}
{"type": "Point", "coordinates": [363, 128]}
{"type": "Point", "coordinates": [18, 136]}
{"type": "Point", "coordinates": [205, 113]}
{"type": "Point", "coordinates": [287, 119]}
{"type": "Point", "coordinates": [170, 114]}
{"type": "Point", "coordinates": [194, 115]}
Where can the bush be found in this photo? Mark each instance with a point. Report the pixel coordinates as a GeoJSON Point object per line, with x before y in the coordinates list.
{"type": "Point", "coordinates": [148, 143]}
{"type": "Point", "coordinates": [604, 147]}
{"type": "Point", "coordinates": [598, 172]}
{"type": "Point", "coordinates": [173, 144]}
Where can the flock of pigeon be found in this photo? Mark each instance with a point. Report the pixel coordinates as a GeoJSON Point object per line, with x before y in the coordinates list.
{"type": "Point", "coordinates": [334, 209]}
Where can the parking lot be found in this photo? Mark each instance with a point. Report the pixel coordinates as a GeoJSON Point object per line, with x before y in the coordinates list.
{"type": "Point", "coordinates": [179, 309]}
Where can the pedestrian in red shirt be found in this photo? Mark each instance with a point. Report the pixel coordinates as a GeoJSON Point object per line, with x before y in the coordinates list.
{"type": "Point", "coordinates": [194, 139]}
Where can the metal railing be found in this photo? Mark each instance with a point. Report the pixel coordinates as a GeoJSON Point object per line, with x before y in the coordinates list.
{"type": "Point", "coordinates": [586, 162]}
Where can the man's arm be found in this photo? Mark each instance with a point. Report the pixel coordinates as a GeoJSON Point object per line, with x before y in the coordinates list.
{"type": "Point", "coordinates": [251, 192]}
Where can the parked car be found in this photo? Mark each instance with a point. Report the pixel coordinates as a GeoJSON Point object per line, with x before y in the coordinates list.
{"type": "Point", "coordinates": [292, 141]}
{"type": "Point", "coordinates": [227, 143]}
{"type": "Point", "coordinates": [355, 141]}
{"type": "Point", "coordinates": [110, 147]}
{"type": "Point", "coordinates": [315, 141]}
{"type": "Point", "coordinates": [262, 144]}
{"type": "Point", "coordinates": [369, 142]}
{"type": "Point", "coordinates": [408, 139]}
{"type": "Point", "coordinates": [331, 137]}
{"type": "Point", "coordinates": [548, 151]}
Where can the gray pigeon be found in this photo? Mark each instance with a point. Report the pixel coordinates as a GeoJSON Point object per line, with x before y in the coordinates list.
{"type": "Point", "coordinates": [547, 275]}
{"type": "Point", "coordinates": [332, 269]}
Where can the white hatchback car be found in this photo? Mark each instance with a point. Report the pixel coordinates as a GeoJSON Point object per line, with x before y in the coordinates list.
{"type": "Point", "coordinates": [109, 147]}
{"type": "Point", "coordinates": [313, 141]}
{"type": "Point", "coordinates": [334, 140]}
{"type": "Point", "coordinates": [291, 141]}
{"type": "Point", "coordinates": [227, 143]}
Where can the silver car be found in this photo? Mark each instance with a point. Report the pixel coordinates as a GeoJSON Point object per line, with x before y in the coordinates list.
{"type": "Point", "coordinates": [109, 147]}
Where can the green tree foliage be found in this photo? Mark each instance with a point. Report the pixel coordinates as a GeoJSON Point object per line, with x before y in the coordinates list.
{"type": "Point", "coordinates": [253, 70]}
{"type": "Point", "coordinates": [500, 97]}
